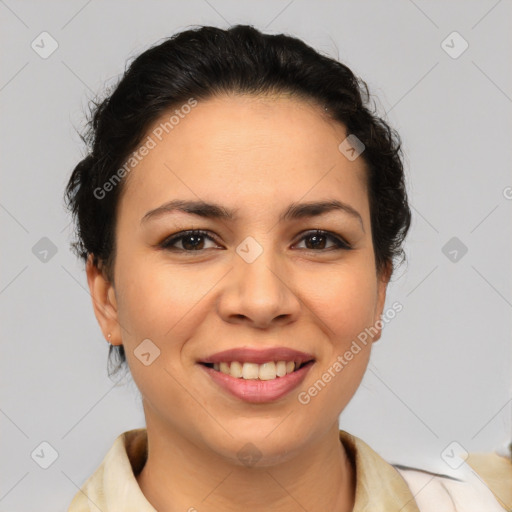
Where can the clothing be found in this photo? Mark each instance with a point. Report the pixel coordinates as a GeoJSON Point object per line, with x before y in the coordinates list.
{"type": "Point", "coordinates": [380, 487]}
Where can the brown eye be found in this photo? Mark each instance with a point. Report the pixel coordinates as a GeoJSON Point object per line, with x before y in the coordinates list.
{"type": "Point", "coordinates": [318, 239]}
{"type": "Point", "coordinates": [191, 241]}
{"type": "Point", "coordinates": [194, 241]}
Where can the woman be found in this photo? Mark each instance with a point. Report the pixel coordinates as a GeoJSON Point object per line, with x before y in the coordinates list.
{"type": "Point", "coordinates": [240, 214]}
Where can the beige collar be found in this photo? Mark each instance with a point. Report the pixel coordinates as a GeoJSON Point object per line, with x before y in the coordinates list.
{"type": "Point", "coordinates": [379, 486]}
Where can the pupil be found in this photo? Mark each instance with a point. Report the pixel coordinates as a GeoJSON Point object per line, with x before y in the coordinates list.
{"type": "Point", "coordinates": [193, 245]}
{"type": "Point", "coordinates": [315, 237]}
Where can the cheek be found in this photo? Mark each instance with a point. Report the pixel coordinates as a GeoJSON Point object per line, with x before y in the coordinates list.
{"type": "Point", "coordinates": [344, 300]}
{"type": "Point", "coordinates": [153, 298]}
{"type": "Point", "coordinates": [157, 304]}
{"type": "Point", "coordinates": [165, 306]}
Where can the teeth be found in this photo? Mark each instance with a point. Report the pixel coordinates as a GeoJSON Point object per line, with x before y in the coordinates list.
{"type": "Point", "coordinates": [253, 371]}
{"type": "Point", "coordinates": [281, 368]}
{"type": "Point", "coordinates": [249, 371]}
{"type": "Point", "coordinates": [267, 371]}
{"type": "Point", "coordinates": [236, 369]}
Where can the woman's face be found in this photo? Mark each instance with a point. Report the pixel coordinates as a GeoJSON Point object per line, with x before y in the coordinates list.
{"type": "Point", "coordinates": [259, 280]}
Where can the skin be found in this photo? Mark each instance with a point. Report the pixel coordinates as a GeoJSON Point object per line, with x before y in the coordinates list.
{"type": "Point", "coordinates": [257, 154]}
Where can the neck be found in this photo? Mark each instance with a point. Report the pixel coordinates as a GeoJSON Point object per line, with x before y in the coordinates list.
{"type": "Point", "coordinates": [180, 475]}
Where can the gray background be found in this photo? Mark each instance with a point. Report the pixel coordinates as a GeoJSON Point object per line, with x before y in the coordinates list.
{"type": "Point", "coordinates": [442, 371]}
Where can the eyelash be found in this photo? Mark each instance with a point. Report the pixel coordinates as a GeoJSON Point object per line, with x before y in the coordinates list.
{"type": "Point", "coordinates": [340, 244]}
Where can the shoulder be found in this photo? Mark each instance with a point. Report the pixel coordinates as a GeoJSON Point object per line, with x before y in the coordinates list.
{"type": "Point", "coordinates": [114, 481]}
{"type": "Point", "coordinates": [483, 482]}
{"type": "Point", "coordinates": [496, 471]}
{"type": "Point", "coordinates": [480, 483]}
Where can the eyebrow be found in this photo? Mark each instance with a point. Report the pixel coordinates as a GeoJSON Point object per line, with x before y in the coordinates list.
{"type": "Point", "coordinates": [215, 211]}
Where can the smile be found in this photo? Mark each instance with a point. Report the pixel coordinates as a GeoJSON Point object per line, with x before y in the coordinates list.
{"type": "Point", "coordinates": [253, 371]}
{"type": "Point", "coordinates": [256, 374]}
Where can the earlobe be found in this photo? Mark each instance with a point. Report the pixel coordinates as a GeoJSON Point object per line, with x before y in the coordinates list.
{"type": "Point", "coordinates": [103, 301]}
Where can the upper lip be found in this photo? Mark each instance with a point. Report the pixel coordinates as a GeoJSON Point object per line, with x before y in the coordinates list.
{"type": "Point", "coordinates": [259, 356]}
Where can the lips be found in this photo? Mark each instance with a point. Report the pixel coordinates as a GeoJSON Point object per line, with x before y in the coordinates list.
{"type": "Point", "coordinates": [269, 386]}
{"type": "Point", "coordinates": [258, 391]}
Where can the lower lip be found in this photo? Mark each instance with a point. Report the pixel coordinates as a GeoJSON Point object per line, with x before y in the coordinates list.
{"type": "Point", "coordinates": [258, 391]}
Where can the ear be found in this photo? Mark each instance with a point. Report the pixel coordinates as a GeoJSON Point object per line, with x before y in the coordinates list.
{"type": "Point", "coordinates": [382, 285]}
{"type": "Point", "coordinates": [104, 301]}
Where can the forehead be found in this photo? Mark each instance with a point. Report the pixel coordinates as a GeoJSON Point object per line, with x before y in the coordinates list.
{"type": "Point", "coordinates": [245, 148]}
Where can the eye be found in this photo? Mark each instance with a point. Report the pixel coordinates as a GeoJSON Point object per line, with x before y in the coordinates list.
{"type": "Point", "coordinates": [191, 241]}
{"type": "Point", "coordinates": [194, 241]}
{"type": "Point", "coordinates": [318, 238]}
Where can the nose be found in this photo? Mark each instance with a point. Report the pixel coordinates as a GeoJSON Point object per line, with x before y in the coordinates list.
{"type": "Point", "coordinates": [260, 293]}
